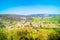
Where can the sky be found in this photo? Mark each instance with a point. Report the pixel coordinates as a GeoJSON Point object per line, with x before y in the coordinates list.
{"type": "Point", "coordinates": [26, 7]}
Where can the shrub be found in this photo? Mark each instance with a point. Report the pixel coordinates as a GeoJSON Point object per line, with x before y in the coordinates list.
{"type": "Point", "coordinates": [3, 35]}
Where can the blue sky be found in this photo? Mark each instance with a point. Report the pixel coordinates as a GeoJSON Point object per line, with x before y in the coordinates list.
{"type": "Point", "coordinates": [29, 6]}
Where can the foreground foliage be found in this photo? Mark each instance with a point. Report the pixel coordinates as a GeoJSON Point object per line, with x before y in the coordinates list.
{"type": "Point", "coordinates": [29, 33]}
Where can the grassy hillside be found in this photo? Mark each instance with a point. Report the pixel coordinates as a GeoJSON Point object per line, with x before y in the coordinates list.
{"type": "Point", "coordinates": [29, 28]}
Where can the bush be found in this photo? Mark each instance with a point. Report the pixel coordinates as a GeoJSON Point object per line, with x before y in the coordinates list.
{"type": "Point", "coordinates": [3, 36]}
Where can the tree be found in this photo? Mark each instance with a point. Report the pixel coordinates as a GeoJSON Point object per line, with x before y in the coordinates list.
{"type": "Point", "coordinates": [2, 25]}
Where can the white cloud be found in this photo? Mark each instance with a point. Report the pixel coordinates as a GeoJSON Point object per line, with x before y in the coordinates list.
{"type": "Point", "coordinates": [33, 10]}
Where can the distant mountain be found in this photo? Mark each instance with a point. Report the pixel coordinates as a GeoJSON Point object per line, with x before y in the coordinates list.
{"type": "Point", "coordinates": [32, 15]}
{"type": "Point", "coordinates": [43, 15]}
{"type": "Point", "coordinates": [19, 17]}
{"type": "Point", "coordinates": [11, 17]}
